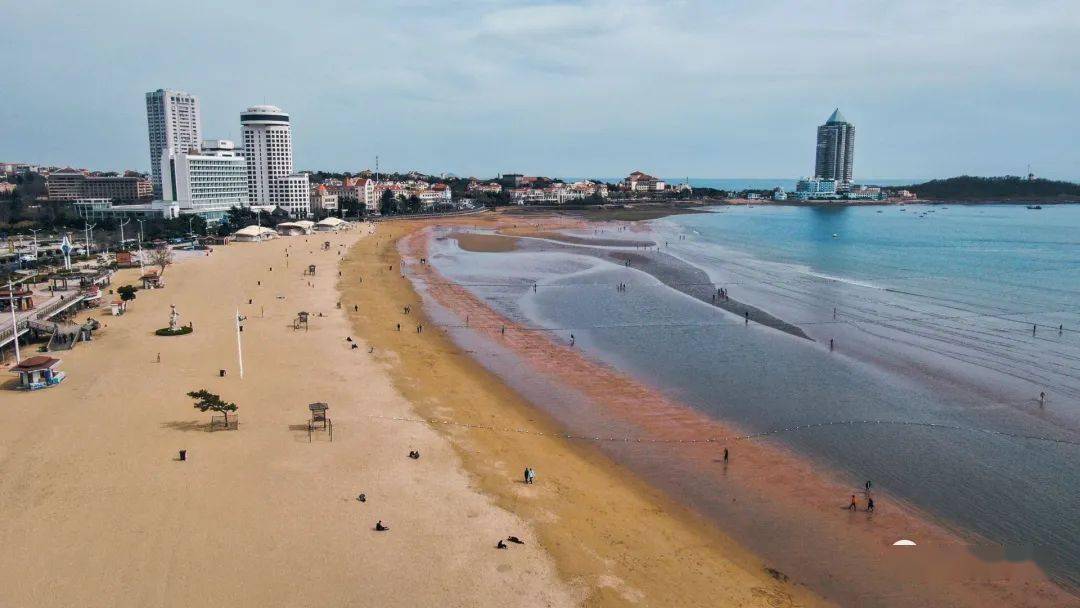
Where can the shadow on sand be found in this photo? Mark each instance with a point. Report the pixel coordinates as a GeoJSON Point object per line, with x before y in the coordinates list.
{"type": "Point", "coordinates": [186, 425]}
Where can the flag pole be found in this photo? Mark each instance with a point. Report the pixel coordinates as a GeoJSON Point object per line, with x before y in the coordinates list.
{"type": "Point", "coordinates": [239, 346]}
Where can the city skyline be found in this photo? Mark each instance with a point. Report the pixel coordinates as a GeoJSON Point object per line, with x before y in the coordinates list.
{"type": "Point", "coordinates": [478, 89]}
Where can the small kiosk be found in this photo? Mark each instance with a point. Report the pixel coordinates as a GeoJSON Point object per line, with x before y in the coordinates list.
{"type": "Point", "coordinates": [38, 372]}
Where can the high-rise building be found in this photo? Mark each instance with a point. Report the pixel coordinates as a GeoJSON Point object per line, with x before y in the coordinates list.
{"type": "Point", "coordinates": [207, 182]}
{"type": "Point", "coordinates": [173, 123]}
{"type": "Point", "coordinates": [835, 149]}
{"type": "Point", "coordinates": [268, 149]}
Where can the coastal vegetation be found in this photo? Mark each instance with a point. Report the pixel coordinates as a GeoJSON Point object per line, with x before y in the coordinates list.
{"type": "Point", "coordinates": [205, 401]}
{"type": "Point", "coordinates": [127, 292]}
{"type": "Point", "coordinates": [1008, 187]}
{"type": "Point", "coordinates": [161, 257]}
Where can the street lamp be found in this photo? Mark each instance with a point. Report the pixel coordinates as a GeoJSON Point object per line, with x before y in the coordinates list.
{"type": "Point", "coordinates": [34, 232]}
{"type": "Point", "coordinates": [140, 242]}
{"type": "Point", "coordinates": [14, 321]}
{"type": "Point", "coordinates": [190, 230]}
{"type": "Point", "coordinates": [87, 227]}
{"type": "Point", "coordinates": [127, 221]}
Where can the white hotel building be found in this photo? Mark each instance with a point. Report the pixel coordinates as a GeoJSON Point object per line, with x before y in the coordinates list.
{"type": "Point", "coordinates": [206, 182]}
{"type": "Point", "coordinates": [268, 150]}
{"type": "Point", "coordinates": [173, 123]}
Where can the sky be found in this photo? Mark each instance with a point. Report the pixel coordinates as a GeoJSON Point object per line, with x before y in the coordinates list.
{"type": "Point", "coordinates": [725, 89]}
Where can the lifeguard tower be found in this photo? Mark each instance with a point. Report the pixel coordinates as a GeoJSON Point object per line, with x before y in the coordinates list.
{"type": "Point", "coordinates": [319, 420]}
{"type": "Point", "coordinates": [301, 320]}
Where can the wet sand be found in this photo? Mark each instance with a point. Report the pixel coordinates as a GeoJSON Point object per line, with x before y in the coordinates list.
{"type": "Point", "coordinates": [800, 501]}
{"type": "Point", "coordinates": [667, 269]}
{"type": "Point", "coordinates": [620, 540]}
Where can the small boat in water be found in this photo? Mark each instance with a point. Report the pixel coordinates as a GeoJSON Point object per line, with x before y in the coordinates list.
{"type": "Point", "coordinates": [1034, 206]}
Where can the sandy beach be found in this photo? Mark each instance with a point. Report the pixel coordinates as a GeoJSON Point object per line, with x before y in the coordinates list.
{"type": "Point", "coordinates": [97, 511]}
{"type": "Point", "coordinates": [801, 500]}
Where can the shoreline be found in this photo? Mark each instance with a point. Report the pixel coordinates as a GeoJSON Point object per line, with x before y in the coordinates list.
{"type": "Point", "coordinates": [1023, 572]}
{"type": "Point", "coordinates": [620, 539]}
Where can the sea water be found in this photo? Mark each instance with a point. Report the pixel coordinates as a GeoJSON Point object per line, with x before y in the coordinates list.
{"type": "Point", "coordinates": [931, 310]}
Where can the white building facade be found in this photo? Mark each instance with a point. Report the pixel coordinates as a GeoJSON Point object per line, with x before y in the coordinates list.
{"type": "Point", "coordinates": [173, 123]}
{"type": "Point", "coordinates": [268, 149]}
{"type": "Point", "coordinates": [207, 182]}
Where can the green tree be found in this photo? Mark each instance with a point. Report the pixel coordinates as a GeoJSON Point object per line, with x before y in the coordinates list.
{"type": "Point", "coordinates": [207, 401]}
{"type": "Point", "coordinates": [387, 203]}
{"type": "Point", "coordinates": [127, 292]}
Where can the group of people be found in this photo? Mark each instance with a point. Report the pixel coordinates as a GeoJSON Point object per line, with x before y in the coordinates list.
{"type": "Point", "coordinates": [720, 295]}
{"type": "Point", "coordinates": [530, 475]}
{"type": "Point", "coordinates": [853, 506]}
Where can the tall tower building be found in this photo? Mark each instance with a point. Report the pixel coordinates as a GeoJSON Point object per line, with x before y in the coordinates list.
{"type": "Point", "coordinates": [173, 123]}
{"type": "Point", "coordinates": [268, 148]}
{"type": "Point", "coordinates": [835, 149]}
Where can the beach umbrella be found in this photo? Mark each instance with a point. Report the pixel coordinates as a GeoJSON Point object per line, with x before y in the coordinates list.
{"type": "Point", "coordinates": [904, 543]}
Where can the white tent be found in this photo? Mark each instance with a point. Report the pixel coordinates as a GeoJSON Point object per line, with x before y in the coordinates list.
{"type": "Point", "coordinates": [295, 228]}
{"type": "Point", "coordinates": [331, 223]}
{"type": "Point", "coordinates": [252, 233]}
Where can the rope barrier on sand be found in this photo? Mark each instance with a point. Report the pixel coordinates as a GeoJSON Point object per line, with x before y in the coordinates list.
{"type": "Point", "coordinates": [733, 438]}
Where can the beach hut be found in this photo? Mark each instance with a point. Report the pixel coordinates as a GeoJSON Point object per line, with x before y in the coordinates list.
{"type": "Point", "coordinates": [152, 280]}
{"type": "Point", "coordinates": [126, 259]}
{"type": "Point", "coordinates": [38, 372]}
{"type": "Point", "coordinates": [331, 224]}
{"type": "Point", "coordinates": [20, 297]}
{"type": "Point", "coordinates": [253, 233]}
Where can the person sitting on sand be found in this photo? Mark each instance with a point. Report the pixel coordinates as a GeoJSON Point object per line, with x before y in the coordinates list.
{"type": "Point", "coordinates": [414, 454]}
{"type": "Point", "coordinates": [362, 498]}
{"type": "Point", "coordinates": [500, 544]}
{"type": "Point", "coordinates": [379, 527]}
{"type": "Point", "coordinates": [515, 540]}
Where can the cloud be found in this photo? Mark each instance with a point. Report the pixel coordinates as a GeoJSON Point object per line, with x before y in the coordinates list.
{"type": "Point", "coordinates": [597, 87]}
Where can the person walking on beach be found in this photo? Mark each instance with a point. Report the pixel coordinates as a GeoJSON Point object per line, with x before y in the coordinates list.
{"type": "Point", "coordinates": [747, 316]}
{"type": "Point", "coordinates": [572, 340]}
{"type": "Point", "coordinates": [852, 506]}
{"type": "Point", "coordinates": [725, 455]}
{"type": "Point", "coordinates": [869, 505]}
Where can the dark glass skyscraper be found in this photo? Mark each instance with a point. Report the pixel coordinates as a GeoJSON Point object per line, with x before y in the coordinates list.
{"type": "Point", "coordinates": [835, 149]}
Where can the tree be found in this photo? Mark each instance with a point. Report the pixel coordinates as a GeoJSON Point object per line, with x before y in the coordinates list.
{"type": "Point", "coordinates": [207, 401]}
{"type": "Point", "coordinates": [161, 257]}
{"type": "Point", "coordinates": [387, 203]}
{"type": "Point", "coordinates": [127, 292]}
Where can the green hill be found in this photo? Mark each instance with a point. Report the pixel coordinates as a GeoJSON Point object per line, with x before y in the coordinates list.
{"type": "Point", "coordinates": [1009, 187]}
